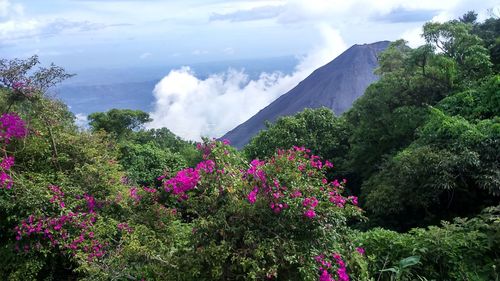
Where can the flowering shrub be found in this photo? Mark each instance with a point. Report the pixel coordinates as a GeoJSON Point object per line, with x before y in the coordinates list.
{"type": "Point", "coordinates": [231, 219]}
{"type": "Point", "coordinates": [71, 231]}
{"type": "Point", "coordinates": [266, 219]}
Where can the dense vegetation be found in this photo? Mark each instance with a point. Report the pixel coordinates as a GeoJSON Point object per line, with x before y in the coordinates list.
{"type": "Point", "coordinates": [422, 144]}
{"type": "Point", "coordinates": [420, 149]}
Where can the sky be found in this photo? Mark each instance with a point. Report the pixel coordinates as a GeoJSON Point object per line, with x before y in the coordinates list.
{"type": "Point", "coordinates": [83, 34]}
{"type": "Point", "coordinates": [120, 33]}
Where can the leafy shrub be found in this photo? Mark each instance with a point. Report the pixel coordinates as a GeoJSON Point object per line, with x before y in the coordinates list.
{"type": "Point", "coordinates": [466, 249]}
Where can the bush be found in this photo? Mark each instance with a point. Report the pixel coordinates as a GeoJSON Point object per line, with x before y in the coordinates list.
{"type": "Point", "coordinates": [466, 249]}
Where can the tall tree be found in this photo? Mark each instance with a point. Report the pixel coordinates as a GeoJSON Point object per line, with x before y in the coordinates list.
{"type": "Point", "coordinates": [119, 122]}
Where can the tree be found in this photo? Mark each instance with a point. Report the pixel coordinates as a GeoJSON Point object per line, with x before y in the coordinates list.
{"type": "Point", "coordinates": [318, 129]}
{"type": "Point", "coordinates": [57, 171]}
{"type": "Point", "coordinates": [144, 163]}
{"type": "Point", "coordinates": [455, 40]}
{"type": "Point", "coordinates": [118, 122]}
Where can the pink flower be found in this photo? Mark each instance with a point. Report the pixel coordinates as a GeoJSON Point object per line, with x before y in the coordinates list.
{"type": "Point", "coordinates": [12, 126]}
{"type": "Point", "coordinates": [296, 194]}
{"type": "Point", "coordinates": [310, 202]}
{"type": "Point", "coordinates": [150, 189]}
{"type": "Point", "coordinates": [252, 196]}
{"type": "Point", "coordinates": [353, 199]}
{"type": "Point", "coordinates": [184, 181]}
{"type": "Point", "coordinates": [207, 166]}
{"type": "Point", "coordinates": [325, 276]}
{"type": "Point", "coordinates": [302, 168]}
{"type": "Point", "coordinates": [7, 162]}
{"type": "Point", "coordinates": [338, 200]}
{"type": "Point", "coordinates": [342, 273]}
{"type": "Point", "coordinates": [360, 250]}
{"type": "Point", "coordinates": [309, 214]}
{"type": "Point", "coordinates": [5, 180]}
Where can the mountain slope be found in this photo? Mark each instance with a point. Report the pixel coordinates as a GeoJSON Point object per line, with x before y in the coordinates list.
{"type": "Point", "coordinates": [335, 85]}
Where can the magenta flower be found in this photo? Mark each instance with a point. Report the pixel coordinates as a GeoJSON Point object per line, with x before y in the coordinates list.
{"type": "Point", "coordinates": [7, 162]}
{"type": "Point", "coordinates": [360, 250]}
{"type": "Point", "coordinates": [207, 166]}
{"type": "Point", "coordinates": [5, 180]}
{"type": "Point", "coordinates": [310, 202]}
{"type": "Point", "coordinates": [309, 214]}
{"type": "Point", "coordinates": [353, 199]}
{"type": "Point", "coordinates": [12, 126]}
{"type": "Point", "coordinates": [338, 200]}
{"type": "Point", "coordinates": [184, 181]}
{"type": "Point", "coordinates": [133, 194]}
{"type": "Point", "coordinates": [325, 276]}
{"type": "Point", "coordinates": [252, 196]}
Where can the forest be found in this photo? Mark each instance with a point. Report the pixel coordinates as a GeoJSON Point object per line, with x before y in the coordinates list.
{"type": "Point", "coordinates": [403, 186]}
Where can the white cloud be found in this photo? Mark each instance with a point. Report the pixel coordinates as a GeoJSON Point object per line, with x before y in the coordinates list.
{"type": "Point", "coordinates": [414, 37]}
{"type": "Point", "coordinates": [7, 9]}
{"type": "Point", "coordinates": [81, 120]}
{"type": "Point", "coordinates": [192, 107]}
{"type": "Point", "coordinates": [15, 29]}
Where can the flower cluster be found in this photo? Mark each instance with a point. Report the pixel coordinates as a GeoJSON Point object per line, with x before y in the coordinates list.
{"type": "Point", "coordinates": [5, 178]}
{"type": "Point", "coordinates": [125, 227]}
{"type": "Point", "coordinates": [12, 126]}
{"type": "Point", "coordinates": [70, 231]}
{"type": "Point", "coordinates": [279, 197]}
{"type": "Point", "coordinates": [310, 204]}
{"type": "Point", "coordinates": [326, 266]}
{"type": "Point", "coordinates": [133, 194]}
{"type": "Point", "coordinates": [187, 179]}
{"type": "Point", "coordinates": [206, 148]}
{"type": "Point", "coordinates": [184, 181]}
{"type": "Point", "coordinates": [58, 196]}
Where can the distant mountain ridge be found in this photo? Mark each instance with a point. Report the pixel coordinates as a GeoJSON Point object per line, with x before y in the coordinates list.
{"type": "Point", "coordinates": [335, 85]}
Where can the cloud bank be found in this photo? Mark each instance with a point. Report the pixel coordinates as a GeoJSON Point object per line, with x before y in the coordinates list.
{"type": "Point", "coordinates": [192, 107]}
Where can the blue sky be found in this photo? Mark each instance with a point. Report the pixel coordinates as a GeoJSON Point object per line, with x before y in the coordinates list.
{"type": "Point", "coordinates": [122, 33]}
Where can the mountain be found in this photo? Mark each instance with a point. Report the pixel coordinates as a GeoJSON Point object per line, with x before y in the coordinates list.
{"type": "Point", "coordinates": [335, 85]}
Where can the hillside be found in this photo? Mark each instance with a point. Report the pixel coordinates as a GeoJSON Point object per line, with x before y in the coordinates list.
{"type": "Point", "coordinates": [335, 85]}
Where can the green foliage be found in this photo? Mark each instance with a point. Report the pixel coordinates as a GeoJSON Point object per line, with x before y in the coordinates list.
{"type": "Point", "coordinates": [54, 153]}
{"type": "Point", "coordinates": [466, 249]}
{"type": "Point", "coordinates": [318, 129]}
{"type": "Point", "coordinates": [164, 139]}
{"type": "Point", "coordinates": [401, 271]}
{"type": "Point", "coordinates": [481, 102]}
{"type": "Point", "coordinates": [144, 154]}
{"type": "Point", "coordinates": [451, 169]}
{"type": "Point", "coordinates": [119, 122]}
{"type": "Point", "coordinates": [144, 163]}
{"type": "Point", "coordinates": [456, 41]}
{"type": "Point", "coordinates": [489, 32]}
{"type": "Point", "coordinates": [424, 138]}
